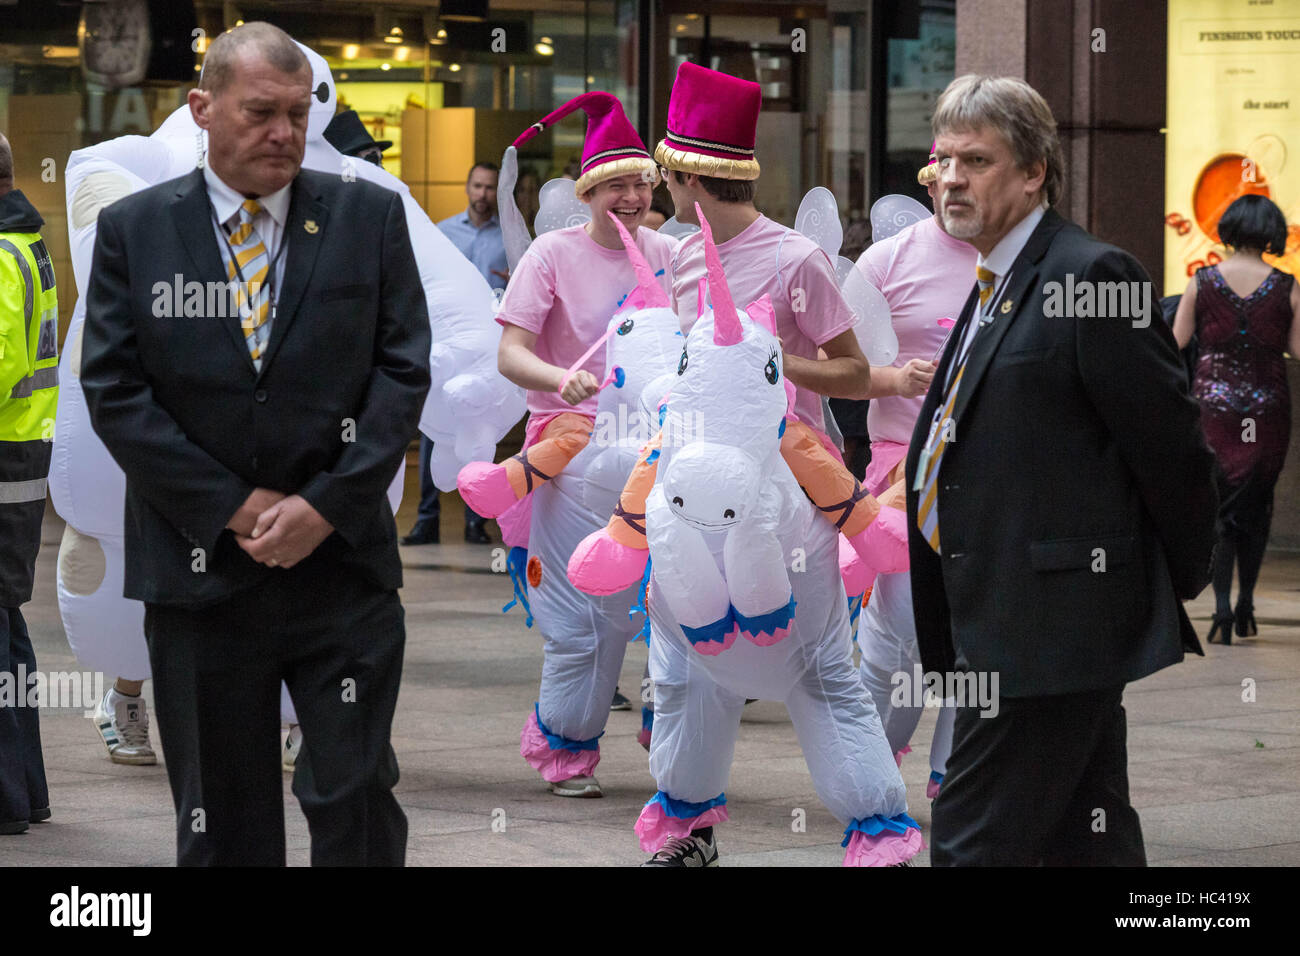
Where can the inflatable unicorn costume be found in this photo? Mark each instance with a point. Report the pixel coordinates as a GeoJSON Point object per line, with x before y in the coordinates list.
{"type": "Point", "coordinates": [106, 630]}
{"type": "Point", "coordinates": [738, 551]}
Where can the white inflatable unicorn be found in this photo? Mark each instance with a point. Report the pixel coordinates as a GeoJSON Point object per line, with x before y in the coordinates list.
{"type": "Point", "coordinates": [642, 342]}
{"type": "Point", "coordinates": [104, 629]}
{"type": "Point", "coordinates": [736, 549]}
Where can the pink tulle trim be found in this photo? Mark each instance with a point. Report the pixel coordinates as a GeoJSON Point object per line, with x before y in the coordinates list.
{"type": "Point", "coordinates": [600, 565]}
{"type": "Point", "coordinates": [883, 849]}
{"type": "Point", "coordinates": [885, 456]}
{"type": "Point", "coordinates": [516, 522]}
{"type": "Point", "coordinates": [485, 487]}
{"type": "Point", "coordinates": [553, 765]}
{"type": "Point", "coordinates": [654, 827]}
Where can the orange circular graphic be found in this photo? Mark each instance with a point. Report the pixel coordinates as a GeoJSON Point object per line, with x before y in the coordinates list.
{"type": "Point", "coordinates": [534, 571]}
{"type": "Point", "coordinates": [1289, 261]}
{"type": "Point", "coordinates": [1224, 180]}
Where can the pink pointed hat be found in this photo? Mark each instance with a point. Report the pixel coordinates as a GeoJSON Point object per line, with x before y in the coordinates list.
{"type": "Point", "coordinates": [712, 124]}
{"type": "Point", "coordinates": [612, 147]}
{"type": "Point", "coordinates": [930, 171]}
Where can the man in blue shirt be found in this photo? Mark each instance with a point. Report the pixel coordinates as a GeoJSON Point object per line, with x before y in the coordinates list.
{"type": "Point", "coordinates": [476, 232]}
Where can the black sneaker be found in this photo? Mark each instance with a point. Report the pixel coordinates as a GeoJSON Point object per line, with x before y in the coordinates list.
{"type": "Point", "coordinates": [475, 534]}
{"type": "Point", "coordinates": [619, 702]}
{"type": "Point", "coordinates": [686, 851]}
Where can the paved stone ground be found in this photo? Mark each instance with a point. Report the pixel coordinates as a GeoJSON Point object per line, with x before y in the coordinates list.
{"type": "Point", "coordinates": [1217, 780]}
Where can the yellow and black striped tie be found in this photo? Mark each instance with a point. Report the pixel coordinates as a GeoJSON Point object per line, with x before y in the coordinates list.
{"type": "Point", "coordinates": [927, 512]}
{"type": "Point", "coordinates": [253, 295]}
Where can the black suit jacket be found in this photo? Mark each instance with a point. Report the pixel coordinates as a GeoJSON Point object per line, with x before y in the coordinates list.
{"type": "Point", "coordinates": [178, 403]}
{"type": "Point", "coordinates": [1076, 448]}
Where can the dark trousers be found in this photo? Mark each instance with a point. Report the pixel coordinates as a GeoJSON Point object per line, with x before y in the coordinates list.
{"type": "Point", "coordinates": [337, 641]}
{"type": "Point", "coordinates": [22, 769]}
{"type": "Point", "coordinates": [430, 508]}
{"type": "Point", "coordinates": [1044, 783]}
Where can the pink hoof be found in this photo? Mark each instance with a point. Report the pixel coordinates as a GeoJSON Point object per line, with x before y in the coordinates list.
{"type": "Point", "coordinates": [486, 488]}
{"type": "Point", "coordinates": [882, 545]}
{"type": "Point", "coordinates": [713, 648]}
{"type": "Point", "coordinates": [643, 738]}
{"type": "Point", "coordinates": [766, 639]}
{"type": "Point", "coordinates": [857, 576]}
{"type": "Point", "coordinates": [600, 565]}
{"type": "Point", "coordinates": [898, 757]}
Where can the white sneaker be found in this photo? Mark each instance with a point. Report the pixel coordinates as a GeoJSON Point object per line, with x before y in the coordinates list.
{"type": "Point", "coordinates": [292, 745]}
{"type": "Point", "coordinates": [123, 724]}
{"type": "Point", "coordinates": [577, 787]}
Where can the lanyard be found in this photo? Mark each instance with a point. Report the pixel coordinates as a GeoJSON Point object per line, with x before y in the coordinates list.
{"type": "Point", "coordinates": [234, 260]}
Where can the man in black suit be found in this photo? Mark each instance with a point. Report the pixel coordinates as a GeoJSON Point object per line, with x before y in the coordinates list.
{"type": "Point", "coordinates": [1060, 502]}
{"type": "Point", "coordinates": [259, 433]}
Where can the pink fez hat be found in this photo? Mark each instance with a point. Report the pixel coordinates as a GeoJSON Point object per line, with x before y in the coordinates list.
{"type": "Point", "coordinates": [712, 122]}
{"type": "Point", "coordinates": [612, 147]}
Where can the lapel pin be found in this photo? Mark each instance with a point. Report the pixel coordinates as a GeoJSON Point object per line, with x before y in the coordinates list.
{"type": "Point", "coordinates": [311, 227]}
{"type": "Point", "coordinates": [1006, 306]}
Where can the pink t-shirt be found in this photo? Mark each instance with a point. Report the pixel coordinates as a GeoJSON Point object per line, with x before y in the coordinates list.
{"type": "Point", "coordinates": [566, 288]}
{"type": "Point", "coordinates": [773, 259]}
{"type": "Point", "coordinates": [925, 275]}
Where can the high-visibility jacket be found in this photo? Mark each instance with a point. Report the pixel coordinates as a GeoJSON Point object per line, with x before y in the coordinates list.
{"type": "Point", "coordinates": [29, 390]}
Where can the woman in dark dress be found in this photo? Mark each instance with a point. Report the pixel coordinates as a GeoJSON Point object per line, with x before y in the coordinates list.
{"type": "Point", "coordinates": [1243, 314]}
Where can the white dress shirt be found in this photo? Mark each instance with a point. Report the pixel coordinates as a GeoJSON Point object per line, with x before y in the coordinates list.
{"type": "Point", "coordinates": [269, 223]}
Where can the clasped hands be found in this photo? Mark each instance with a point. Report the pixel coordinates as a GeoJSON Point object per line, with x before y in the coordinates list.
{"type": "Point", "coordinates": [278, 530]}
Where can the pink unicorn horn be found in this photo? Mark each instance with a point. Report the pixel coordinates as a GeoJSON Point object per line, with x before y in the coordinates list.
{"type": "Point", "coordinates": [653, 295]}
{"type": "Point", "coordinates": [727, 329]}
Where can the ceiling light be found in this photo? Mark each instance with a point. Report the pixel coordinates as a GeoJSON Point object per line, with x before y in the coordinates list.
{"type": "Point", "coordinates": [350, 51]}
{"type": "Point", "coordinates": [442, 33]}
{"type": "Point", "coordinates": [402, 54]}
{"type": "Point", "coordinates": [545, 49]}
{"type": "Point", "coordinates": [385, 66]}
{"type": "Point", "coordinates": [394, 35]}
{"type": "Point", "coordinates": [455, 68]}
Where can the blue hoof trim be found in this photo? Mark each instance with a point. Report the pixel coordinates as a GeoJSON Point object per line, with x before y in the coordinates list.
{"type": "Point", "coordinates": [684, 809]}
{"type": "Point", "coordinates": [877, 824]}
{"type": "Point", "coordinates": [766, 623]}
{"type": "Point", "coordinates": [936, 778]}
{"type": "Point", "coordinates": [715, 633]}
{"type": "Point", "coordinates": [647, 718]}
{"type": "Point", "coordinates": [557, 742]}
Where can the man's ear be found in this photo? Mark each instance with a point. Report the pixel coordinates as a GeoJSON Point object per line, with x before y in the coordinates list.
{"type": "Point", "coordinates": [200, 103]}
{"type": "Point", "coordinates": [1035, 176]}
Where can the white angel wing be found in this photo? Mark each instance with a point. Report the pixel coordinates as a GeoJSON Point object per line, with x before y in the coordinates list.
{"type": "Point", "coordinates": [514, 231]}
{"type": "Point", "coordinates": [818, 218]}
{"type": "Point", "coordinates": [559, 208]}
{"type": "Point", "coordinates": [894, 213]}
{"type": "Point", "coordinates": [677, 230]}
{"type": "Point", "coordinates": [875, 329]}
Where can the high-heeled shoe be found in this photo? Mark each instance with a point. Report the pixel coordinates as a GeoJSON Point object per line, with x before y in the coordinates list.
{"type": "Point", "coordinates": [1222, 626]}
{"type": "Point", "coordinates": [1246, 620]}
